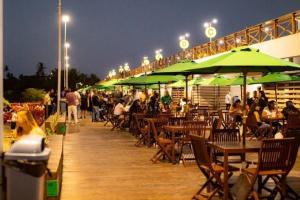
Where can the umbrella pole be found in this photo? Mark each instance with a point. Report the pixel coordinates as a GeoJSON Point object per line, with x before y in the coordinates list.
{"type": "Point", "coordinates": [241, 92]}
{"type": "Point", "coordinates": [186, 88]}
{"type": "Point", "coordinates": [198, 94]}
{"type": "Point", "coordinates": [276, 92]}
{"type": "Point", "coordinates": [159, 90]}
{"type": "Point", "coordinates": [244, 106]}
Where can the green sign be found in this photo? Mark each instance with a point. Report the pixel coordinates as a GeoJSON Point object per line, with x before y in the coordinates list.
{"type": "Point", "coordinates": [52, 188]}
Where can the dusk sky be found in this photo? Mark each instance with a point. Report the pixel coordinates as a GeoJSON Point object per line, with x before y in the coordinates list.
{"type": "Point", "coordinates": [107, 33]}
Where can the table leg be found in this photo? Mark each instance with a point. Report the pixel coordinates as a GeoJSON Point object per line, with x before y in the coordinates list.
{"type": "Point", "coordinates": [173, 147]}
{"type": "Point", "coordinates": [148, 134]}
{"type": "Point", "coordinates": [225, 175]}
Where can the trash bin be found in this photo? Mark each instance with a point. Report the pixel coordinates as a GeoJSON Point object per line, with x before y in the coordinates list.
{"type": "Point", "coordinates": [25, 169]}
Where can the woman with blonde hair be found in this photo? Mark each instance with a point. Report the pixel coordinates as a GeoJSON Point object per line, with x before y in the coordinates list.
{"type": "Point", "coordinates": [26, 124]}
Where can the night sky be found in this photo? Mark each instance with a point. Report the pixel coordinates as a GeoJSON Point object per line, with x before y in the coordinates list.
{"type": "Point", "coordinates": [107, 33]}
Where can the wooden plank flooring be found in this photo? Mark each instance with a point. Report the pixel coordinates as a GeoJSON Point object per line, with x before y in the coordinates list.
{"type": "Point", "coordinates": [100, 164]}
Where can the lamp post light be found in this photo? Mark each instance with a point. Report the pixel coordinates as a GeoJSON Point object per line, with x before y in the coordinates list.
{"type": "Point", "coordinates": [121, 71]}
{"type": "Point", "coordinates": [184, 42]}
{"type": "Point", "coordinates": [126, 68]}
{"type": "Point", "coordinates": [210, 30]}
{"type": "Point", "coordinates": [67, 65]}
{"type": "Point", "coordinates": [158, 55]}
{"type": "Point", "coordinates": [65, 19]}
{"type": "Point", "coordinates": [146, 63]}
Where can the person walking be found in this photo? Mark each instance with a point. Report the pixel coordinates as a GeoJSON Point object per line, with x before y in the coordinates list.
{"type": "Point", "coordinates": [78, 102]}
{"type": "Point", "coordinates": [83, 105]}
{"type": "Point", "coordinates": [72, 106]}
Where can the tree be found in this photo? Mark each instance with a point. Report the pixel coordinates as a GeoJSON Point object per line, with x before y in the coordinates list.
{"type": "Point", "coordinates": [40, 69]}
{"type": "Point", "coordinates": [33, 95]}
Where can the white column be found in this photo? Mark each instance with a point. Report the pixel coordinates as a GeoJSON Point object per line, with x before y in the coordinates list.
{"type": "Point", "coordinates": [59, 55]}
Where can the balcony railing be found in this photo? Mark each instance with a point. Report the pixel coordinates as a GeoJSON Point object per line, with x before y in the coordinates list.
{"type": "Point", "coordinates": [283, 26]}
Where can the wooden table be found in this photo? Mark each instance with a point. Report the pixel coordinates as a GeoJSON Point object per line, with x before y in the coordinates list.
{"type": "Point", "coordinates": [233, 147]}
{"type": "Point", "coordinates": [173, 129]}
{"type": "Point", "coordinates": [150, 123]}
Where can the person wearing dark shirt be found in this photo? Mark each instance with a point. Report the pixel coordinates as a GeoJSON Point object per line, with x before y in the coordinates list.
{"type": "Point", "coordinates": [262, 100]}
{"type": "Point", "coordinates": [153, 106]}
{"type": "Point", "coordinates": [96, 104]}
{"type": "Point", "coordinates": [289, 109]}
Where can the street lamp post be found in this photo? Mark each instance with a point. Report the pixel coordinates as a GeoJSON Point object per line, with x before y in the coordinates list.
{"type": "Point", "coordinates": [67, 65]}
{"type": "Point", "coordinates": [59, 56]}
{"type": "Point", "coordinates": [210, 30]}
{"type": "Point", "coordinates": [65, 19]}
{"type": "Point", "coordinates": [184, 42]}
{"type": "Point", "coordinates": [158, 55]}
{"type": "Point", "coordinates": [126, 68]}
{"type": "Point", "coordinates": [121, 71]}
{"type": "Point", "coordinates": [146, 63]}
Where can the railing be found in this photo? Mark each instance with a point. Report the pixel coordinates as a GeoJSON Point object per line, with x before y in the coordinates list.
{"type": "Point", "coordinates": [283, 26]}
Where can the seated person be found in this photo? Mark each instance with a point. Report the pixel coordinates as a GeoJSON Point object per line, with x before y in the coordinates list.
{"type": "Point", "coordinates": [270, 113]}
{"type": "Point", "coordinates": [26, 125]}
{"type": "Point", "coordinates": [289, 109]}
{"type": "Point", "coordinates": [263, 128]}
{"type": "Point", "coordinates": [153, 105]}
{"type": "Point", "coordinates": [166, 100]}
{"type": "Point", "coordinates": [236, 111]}
{"type": "Point", "coordinates": [184, 107]}
{"type": "Point", "coordinates": [119, 112]}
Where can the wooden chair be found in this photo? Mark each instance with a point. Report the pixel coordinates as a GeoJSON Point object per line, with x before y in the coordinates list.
{"type": "Point", "coordinates": [291, 194]}
{"type": "Point", "coordinates": [254, 130]}
{"type": "Point", "coordinates": [226, 135]}
{"type": "Point", "coordinates": [210, 170]}
{"type": "Point", "coordinates": [226, 124]}
{"type": "Point", "coordinates": [191, 128]}
{"type": "Point", "coordinates": [142, 129]}
{"type": "Point", "coordinates": [273, 162]}
{"type": "Point", "coordinates": [163, 143]}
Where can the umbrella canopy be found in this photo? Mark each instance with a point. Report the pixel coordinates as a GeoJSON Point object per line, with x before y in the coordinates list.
{"type": "Point", "coordinates": [149, 80]}
{"type": "Point", "coordinates": [195, 81]}
{"type": "Point", "coordinates": [214, 81]}
{"type": "Point", "coordinates": [276, 78]}
{"type": "Point", "coordinates": [178, 84]}
{"type": "Point", "coordinates": [243, 59]}
{"type": "Point", "coordinates": [178, 68]}
{"type": "Point", "coordinates": [239, 81]}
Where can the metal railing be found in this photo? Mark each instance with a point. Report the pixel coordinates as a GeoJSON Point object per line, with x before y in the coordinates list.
{"type": "Point", "coordinates": [283, 26]}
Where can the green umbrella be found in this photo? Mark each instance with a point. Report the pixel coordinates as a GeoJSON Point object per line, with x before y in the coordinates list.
{"type": "Point", "coordinates": [149, 80]}
{"type": "Point", "coordinates": [239, 81]}
{"type": "Point", "coordinates": [214, 81]}
{"type": "Point", "coordinates": [195, 81]}
{"type": "Point", "coordinates": [178, 84]}
{"type": "Point", "coordinates": [276, 78]}
{"type": "Point", "coordinates": [243, 59]}
{"type": "Point", "coordinates": [178, 68]}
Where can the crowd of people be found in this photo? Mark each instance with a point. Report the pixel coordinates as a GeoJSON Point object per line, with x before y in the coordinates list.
{"type": "Point", "coordinates": [264, 111]}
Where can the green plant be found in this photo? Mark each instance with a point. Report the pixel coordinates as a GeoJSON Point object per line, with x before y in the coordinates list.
{"type": "Point", "coordinates": [33, 94]}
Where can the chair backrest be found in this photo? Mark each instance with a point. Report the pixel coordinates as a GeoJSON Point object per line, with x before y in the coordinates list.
{"type": "Point", "coordinates": [176, 120]}
{"type": "Point", "coordinates": [293, 122]}
{"type": "Point", "coordinates": [225, 135]}
{"type": "Point", "coordinates": [139, 120]}
{"type": "Point", "coordinates": [294, 150]}
{"type": "Point", "coordinates": [195, 128]}
{"type": "Point", "coordinates": [200, 151]}
{"type": "Point", "coordinates": [251, 121]}
{"type": "Point", "coordinates": [275, 154]}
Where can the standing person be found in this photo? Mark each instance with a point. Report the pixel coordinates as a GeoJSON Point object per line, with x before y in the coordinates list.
{"type": "Point", "coordinates": [53, 98]}
{"type": "Point", "coordinates": [262, 100]}
{"type": "Point", "coordinates": [96, 104]}
{"type": "Point", "coordinates": [78, 101]}
{"type": "Point", "coordinates": [228, 100]}
{"type": "Point", "coordinates": [63, 104]}
{"type": "Point", "coordinates": [166, 101]}
{"type": "Point", "coordinates": [72, 106]}
{"type": "Point", "coordinates": [47, 104]}
{"type": "Point", "coordinates": [83, 105]}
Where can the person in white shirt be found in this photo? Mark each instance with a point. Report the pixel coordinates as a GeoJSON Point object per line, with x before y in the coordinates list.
{"type": "Point", "coordinates": [119, 113]}
{"type": "Point", "coordinates": [78, 101]}
{"type": "Point", "coordinates": [228, 100]}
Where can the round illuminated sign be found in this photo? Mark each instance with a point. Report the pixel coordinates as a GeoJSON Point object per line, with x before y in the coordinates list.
{"type": "Point", "coordinates": [184, 44]}
{"type": "Point", "coordinates": [210, 32]}
{"type": "Point", "coordinates": [158, 56]}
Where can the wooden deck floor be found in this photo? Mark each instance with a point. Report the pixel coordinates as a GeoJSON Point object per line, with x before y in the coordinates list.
{"type": "Point", "coordinates": [100, 164]}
